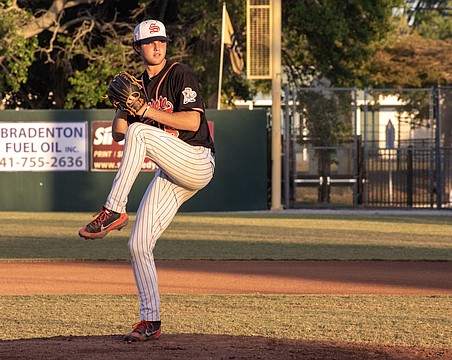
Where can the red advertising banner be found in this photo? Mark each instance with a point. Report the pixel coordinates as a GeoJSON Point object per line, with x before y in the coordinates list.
{"type": "Point", "coordinates": [106, 153]}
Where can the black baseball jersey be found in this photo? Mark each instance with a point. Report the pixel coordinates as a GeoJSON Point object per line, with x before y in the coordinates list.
{"type": "Point", "coordinates": [176, 88]}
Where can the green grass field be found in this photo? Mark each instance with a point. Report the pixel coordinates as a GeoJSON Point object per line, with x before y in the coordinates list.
{"type": "Point", "coordinates": [221, 236]}
{"type": "Point", "coordinates": [401, 320]}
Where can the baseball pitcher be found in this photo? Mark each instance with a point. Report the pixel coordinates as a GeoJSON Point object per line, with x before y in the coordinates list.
{"type": "Point", "coordinates": [160, 115]}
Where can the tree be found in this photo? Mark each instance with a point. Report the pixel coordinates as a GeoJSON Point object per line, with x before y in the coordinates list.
{"type": "Point", "coordinates": [333, 39]}
{"type": "Point", "coordinates": [416, 55]}
{"type": "Point", "coordinates": [438, 25]}
{"type": "Point", "coordinates": [73, 48]}
{"type": "Point", "coordinates": [327, 116]}
{"type": "Point", "coordinates": [411, 61]}
{"type": "Point", "coordinates": [430, 18]}
{"type": "Point", "coordinates": [62, 55]}
{"type": "Point", "coordinates": [17, 52]}
{"type": "Point", "coordinates": [198, 42]}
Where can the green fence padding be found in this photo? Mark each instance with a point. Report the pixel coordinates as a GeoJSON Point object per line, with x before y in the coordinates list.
{"type": "Point", "coordinates": [240, 182]}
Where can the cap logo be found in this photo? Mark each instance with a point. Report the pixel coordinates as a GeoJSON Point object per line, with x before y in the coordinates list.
{"type": "Point", "coordinates": [154, 28]}
{"type": "Point", "coordinates": [149, 31]}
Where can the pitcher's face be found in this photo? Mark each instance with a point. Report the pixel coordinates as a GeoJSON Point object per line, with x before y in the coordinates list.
{"type": "Point", "coordinates": [153, 53]}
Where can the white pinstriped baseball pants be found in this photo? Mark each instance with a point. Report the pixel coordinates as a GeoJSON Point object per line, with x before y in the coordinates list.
{"type": "Point", "coordinates": [183, 170]}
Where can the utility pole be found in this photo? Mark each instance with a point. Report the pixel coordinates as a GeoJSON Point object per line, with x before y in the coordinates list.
{"type": "Point", "coordinates": [276, 106]}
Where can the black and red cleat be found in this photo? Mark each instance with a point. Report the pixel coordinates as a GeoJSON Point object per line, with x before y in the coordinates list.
{"type": "Point", "coordinates": [144, 330]}
{"type": "Point", "coordinates": [104, 222]}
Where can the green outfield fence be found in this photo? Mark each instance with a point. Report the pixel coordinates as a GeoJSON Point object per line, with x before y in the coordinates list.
{"type": "Point", "coordinates": [40, 173]}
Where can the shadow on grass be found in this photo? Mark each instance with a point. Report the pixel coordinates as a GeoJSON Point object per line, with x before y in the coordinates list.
{"type": "Point", "coordinates": [114, 247]}
{"type": "Point", "coordinates": [203, 347]}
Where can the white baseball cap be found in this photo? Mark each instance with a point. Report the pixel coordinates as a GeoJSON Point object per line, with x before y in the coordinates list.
{"type": "Point", "coordinates": [149, 31]}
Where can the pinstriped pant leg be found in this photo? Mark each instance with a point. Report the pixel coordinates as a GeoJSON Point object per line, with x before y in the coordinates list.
{"type": "Point", "coordinates": [190, 166]}
{"type": "Point", "coordinates": [183, 170]}
{"type": "Point", "coordinates": [129, 168]}
{"type": "Point", "coordinates": [157, 209]}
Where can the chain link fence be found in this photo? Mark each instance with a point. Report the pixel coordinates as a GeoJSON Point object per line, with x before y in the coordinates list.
{"type": "Point", "coordinates": [374, 148]}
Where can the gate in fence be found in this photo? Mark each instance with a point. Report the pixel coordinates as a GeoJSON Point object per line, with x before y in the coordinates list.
{"type": "Point", "coordinates": [373, 148]}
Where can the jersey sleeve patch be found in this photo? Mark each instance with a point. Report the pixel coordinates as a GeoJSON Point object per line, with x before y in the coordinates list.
{"type": "Point", "coordinates": [189, 95]}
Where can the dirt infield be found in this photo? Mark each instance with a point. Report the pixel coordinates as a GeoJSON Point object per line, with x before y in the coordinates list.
{"type": "Point", "coordinates": [221, 277]}
{"type": "Point", "coordinates": [231, 277]}
{"type": "Point", "coordinates": [203, 347]}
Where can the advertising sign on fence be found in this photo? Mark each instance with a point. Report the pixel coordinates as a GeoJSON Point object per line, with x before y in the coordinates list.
{"type": "Point", "coordinates": [106, 153]}
{"type": "Point", "coordinates": [43, 146]}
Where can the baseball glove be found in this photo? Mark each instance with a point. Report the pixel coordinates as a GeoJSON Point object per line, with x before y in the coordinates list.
{"type": "Point", "coordinates": [126, 93]}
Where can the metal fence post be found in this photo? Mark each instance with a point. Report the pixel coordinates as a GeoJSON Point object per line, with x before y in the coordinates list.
{"type": "Point", "coordinates": [439, 187]}
{"type": "Point", "coordinates": [286, 147]}
{"type": "Point", "coordinates": [355, 147]}
{"type": "Point", "coordinates": [295, 121]}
